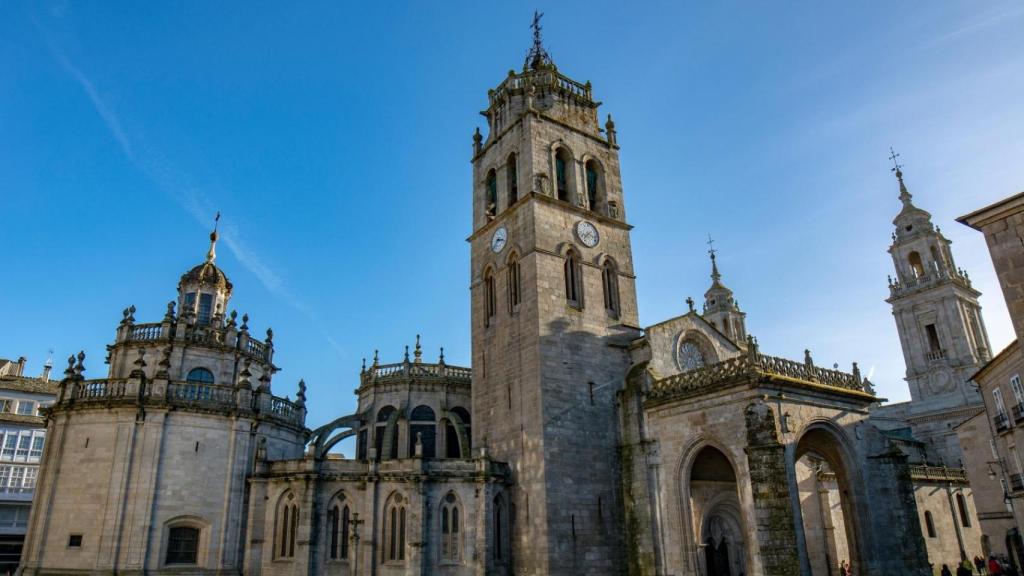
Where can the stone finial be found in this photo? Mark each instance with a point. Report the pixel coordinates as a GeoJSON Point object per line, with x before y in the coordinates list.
{"type": "Point", "coordinates": [376, 358]}
{"type": "Point", "coordinates": [300, 398]}
{"type": "Point", "coordinates": [270, 335]}
{"type": "Point", "coordinates": [80, 366]}
{"type": "Point", "coordinates": [689, 303]}
{"type": "Point", "coordinates": [440, 359]}
{"type": "Point", "coordinates": [363, 369]}
{"type": "Point", "coordinates": [808, 361]}
{"type": "Point", "coordinates": [169, 315]}
{"type": "Point", "coordinates": [406, 359]}
{"type": "Point", "coordinates": [751, 345]}
{"type": "Point", "coordinates": [70, 371]}
{"type": "Point", "coordinates": [231, 318]}
{"type": "Point", "coordinates": [609, 130]}
{"type": "Point", "coordinates": [856, 372]}
{"type": "Point", "coordinates": [418, 352]}
{"type": "Point", "coordinates": [124, 316]}
{"type": "Point", "coordinates": [477, 141]}
{"type": "Point", "coordinates": [245, 323]}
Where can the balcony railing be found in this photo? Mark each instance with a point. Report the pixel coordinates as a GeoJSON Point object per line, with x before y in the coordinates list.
{"type": "Point", "coordinates": [753, 366]}
{"type": "Point", "coordinates": [1016, 482]}
{"type": "Point", "coordinates": [1018, 413]}
{"type": "Point", "coordinates": [1001, 422]}
{"type": "Point", "coordinates": [938, 473]}
{"type": "Point", "coordinates": [932, 278]}
{"type": "Point", "coordinates": [402, 371]}
{"type": "Point", "coordinates": [933, 355]}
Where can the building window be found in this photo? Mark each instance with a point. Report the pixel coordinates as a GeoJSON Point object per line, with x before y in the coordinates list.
{"type": "Point", "coordinates": [514, 294]}
{"type": "Point", "coordinates": [961, 504]}
{"type": "Point", "coordinates": [929, 524]}
{"type": "Point", "coordinates": [182, 545]}
{"type": "Point", "coordinates": [205, 308]}
{"type": "Point", "coordinates": [933, 338]}
{"type": "Point", "coordinates": [593, 184]}
{"type": "Point", "coordinates": [997, 396]}
{"type": "Point", "coordinates": [380, 431]}
{"type": "Point", "coordinates": [338, 518]}
{"type": "Point", "coordinates": [573, 280]}
{"type": "Point", "coordinates": [1018, 389]}
{"type": "Point", "coordinates": [394, 530]}
{"type": "Point", "coordinates": [499, 528]}
{"type": "Point", "coordinates": [490, 304]}
{"type": "Point", "coordinates": [199, 376]}
{"type": "Point", "coordinates": [423, 428]}
{"type": "Point", "coordinates": [26, 408]}
{"type": "Point", "coordinates": [75, 541]}
{"type": "Point", "coordinates": [916, 267]}
{"type": "Point", "coordinates": [610, 280]}
{"type": "Point", "coordinates": [512, 176]}
{"type": "Point", "coordinates": [491, 186]}
{"type": "Point", "coordinates": [561, 174]}
{"type": "Point", "coordinates": [451, 528]}
{"type": "Point", "coordinates": [287, 527]}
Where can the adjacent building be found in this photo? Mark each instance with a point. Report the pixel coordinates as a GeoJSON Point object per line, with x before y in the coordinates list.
{"type": "Point", "coordinates": [22, 436]}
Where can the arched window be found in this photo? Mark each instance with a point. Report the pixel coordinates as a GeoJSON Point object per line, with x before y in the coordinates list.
{"type": "Point", "coordinates": [451, 529]}
{"type": "Point", "coordinates": [380, 430]}
{"type": "Point", "coordinates": [422, 427]}
{"type": "Point", "coordinates": [200, 376]}
{"type": "Point", "coordinates": [499, 528]}
{"type": "Point", "coordinates": [593, 170]}
{"type": "Point", "coordinates": [205, 308]}
{"type": "Point", "coordinates": [514, 295]}
{"type": "Point", "coordinates": [338, 517]}
{"type": "Point", "coordinates": [512, 176]}
{"type": "Point", "coordinates": [491, 185]}
{"type": "Point", "coordinates": [914, 259]}
{"type": "Point", "coordinates": [563, 164]}
{"type": "Point", "coordinates": [287, 526]}
{"type": "Point", "coordinates": [961, 504]}
{"type": "Point", "coordinates": [929, 524]}
{"type": "Point", "coordinates": [573, 280]}
{"type": "Point", "coordinates": [610, 280]}
{"type": "Point", "coordinates": [452, 447]}
{"type": "Point", "coordinates": [182, 545]}
{"type": "Point", "coordinates": [490, 304]}
{"type": "Point", "coordinates": [394, 530]}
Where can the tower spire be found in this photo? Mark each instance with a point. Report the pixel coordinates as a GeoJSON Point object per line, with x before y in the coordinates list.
{"type": "Point", "coordinates": [898, 169]}
{"type": "Point", "coordinates": [537, 57]}
{"type": "Point", "coordinates": [715, 276]}
{"type": "Point", "coordinates": [211, 255]}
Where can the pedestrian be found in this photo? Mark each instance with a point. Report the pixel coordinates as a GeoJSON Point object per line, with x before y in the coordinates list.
{"type": "Point", "coordinates": [946, 571]}
{"type": "Point", "coordinates": [994, 568]}
{"type": "Point", "coordinates": [979, 563]}
{"type": "Point", "coordinates": [844, 569]}
{"type": "Point", "coordinates": [965, 569]}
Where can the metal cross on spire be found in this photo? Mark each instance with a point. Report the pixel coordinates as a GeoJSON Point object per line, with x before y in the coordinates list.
{"type": "Point", "coordinates": [537, 56]}
{"type": "Point", "coordinates": [211, 255]}
{"type": "Point", "coordinates": [896, 166]}
{"type": "Point", "coordinates": [714, 265]}
{"type": "Point", "coordinates": [711, 247]}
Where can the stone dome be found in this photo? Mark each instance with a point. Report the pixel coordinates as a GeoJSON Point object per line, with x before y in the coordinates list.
{"type": "Point", "coordinates": [206, 274]}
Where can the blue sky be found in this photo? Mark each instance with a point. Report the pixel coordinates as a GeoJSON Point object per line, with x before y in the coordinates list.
{"type": "Point", "coordinates": [335, 139]}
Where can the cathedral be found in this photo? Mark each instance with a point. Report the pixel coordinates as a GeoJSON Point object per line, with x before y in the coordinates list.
{"type": "Point", "coordinates": [579, 442]}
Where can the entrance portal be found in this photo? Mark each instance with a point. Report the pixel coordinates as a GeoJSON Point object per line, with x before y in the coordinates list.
{"type": "Point", "coordinates": [715, 506]}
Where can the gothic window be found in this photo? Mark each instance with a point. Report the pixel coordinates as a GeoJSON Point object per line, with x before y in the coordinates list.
{"type": "Point", "coordinates": [593, 183]}
{"type": "Point", "coordinates": [338, 517]}
{"type": "Point", "coordinates": [287, 526]}
{"type": "Point", "coordinates": [199, 376]}
{"type": "Point", "coordinates": [490, 304]}
{"type": "Point", "coordinates": [573, 280]}
{"type": "Point", "coordinates": [394, 530]}
{"type": "Point", "coordinates": [562, 165]}
{"type": "Point", "coordinates": [422, 427]}
{"type": "Point", "coordinates": [499, 528]}
{"type": "Point", "coordinates": [491, 184]}
{"type": "Point", "coordinates": [514, 295]}
{"type": "Point", "coordinates": [916, 266]}
{"type": "Point", "coordinates": [451, 529]}
{"type": "Point", "coordinates": [380, 430]}
{"type": "Point", "coordinates": [205, 308]}
{"type": "Point", "coordinates": [690, 356]}
{"type": "Point", "coordinates": [929, 524]}
{"type": "Point", "coordinates": [512, 176]}
{"type": "Point", "coordinates": [961, 504]}
{"type": "Point", "coordinates": [182, 545]}
{"type": "Point", "coordinates": [610, 279]}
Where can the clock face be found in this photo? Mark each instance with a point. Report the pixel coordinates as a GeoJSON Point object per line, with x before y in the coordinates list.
{"type": "Point", "coordinates": [587, 233]}
{"type": "Point", "coordinates": [499, 239]}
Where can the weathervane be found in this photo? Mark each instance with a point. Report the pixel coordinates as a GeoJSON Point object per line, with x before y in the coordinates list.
{"type": "Point", "coordinates": [711, 247]}
{"type": "Point", "coordinates": [896, 166]}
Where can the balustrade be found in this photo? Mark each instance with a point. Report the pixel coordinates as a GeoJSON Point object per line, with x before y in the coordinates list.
{"type": "Point", "coordinates": [145, 332]}
{"type": "Point", "coordinates": [920, 472]}
{"type": "Point", "coordinates": [416, 370]}
{"type": "Point", "coordinates": [1001, 422]}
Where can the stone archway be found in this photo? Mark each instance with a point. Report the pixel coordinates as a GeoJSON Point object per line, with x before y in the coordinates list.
{"type": "Point", "coordinates": [714, 506]}
{"type": "Point", "coordinates": [827, 511]}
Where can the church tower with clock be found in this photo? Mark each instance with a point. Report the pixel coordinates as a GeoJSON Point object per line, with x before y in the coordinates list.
{"type": "Point", "coordinates": [553, 312]}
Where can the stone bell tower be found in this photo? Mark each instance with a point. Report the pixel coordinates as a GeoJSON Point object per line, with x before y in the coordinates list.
{"type": "Point", "coordinates": [940, 326]}
{"type": "Point", "coordinates": [553, 309]}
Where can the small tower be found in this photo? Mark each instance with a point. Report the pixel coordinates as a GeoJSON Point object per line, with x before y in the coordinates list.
{"type": "Point", "coordinates": [940, 326]}
{"type": "Point", "coordinates": [720, 308]}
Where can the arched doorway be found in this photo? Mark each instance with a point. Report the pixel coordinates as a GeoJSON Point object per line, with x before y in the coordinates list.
{"type": "Point", "coordinates": [826, 506]}
{"type": "Point", "coordinates": [715, 508]}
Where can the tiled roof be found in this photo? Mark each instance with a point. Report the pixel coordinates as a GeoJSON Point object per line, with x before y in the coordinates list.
{"type": "Point", "coordinates": [31, 385]}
